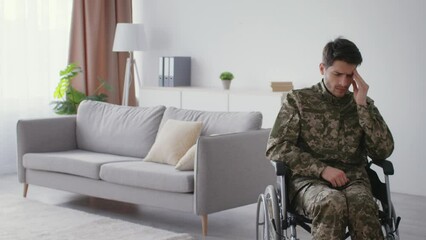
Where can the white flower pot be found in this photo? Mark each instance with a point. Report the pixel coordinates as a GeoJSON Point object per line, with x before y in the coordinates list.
{"type": "Point", "coordinates": [226, 84]}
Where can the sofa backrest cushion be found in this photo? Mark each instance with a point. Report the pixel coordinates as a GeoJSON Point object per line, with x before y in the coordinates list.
{"type": "Point", "coordinates": [115, 129]}
{"type": "Point", "coordinates": [216, 122]}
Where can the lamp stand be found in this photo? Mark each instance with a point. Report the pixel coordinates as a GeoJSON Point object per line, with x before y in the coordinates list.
{"type": "Point", "coordinates": [128, 77]}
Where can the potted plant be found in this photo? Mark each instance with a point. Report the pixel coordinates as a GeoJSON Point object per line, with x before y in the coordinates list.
{"type": "Point", "coordinates": [226, 78]}
{"type": "Point", "coordinates": [68, 98]}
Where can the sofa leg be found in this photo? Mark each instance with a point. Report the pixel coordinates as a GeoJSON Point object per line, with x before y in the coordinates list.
{"type": "Point", "coordinates": [204, 224]}
{"type": "Point", "coordinates": [25, 189]}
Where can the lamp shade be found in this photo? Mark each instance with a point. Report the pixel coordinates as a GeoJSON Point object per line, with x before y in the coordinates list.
{"type": "Point", "coordinates": [129, 37]}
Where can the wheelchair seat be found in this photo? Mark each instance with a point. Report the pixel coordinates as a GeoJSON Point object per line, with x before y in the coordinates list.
{"type": "Point", "coordinates": [277, 220]}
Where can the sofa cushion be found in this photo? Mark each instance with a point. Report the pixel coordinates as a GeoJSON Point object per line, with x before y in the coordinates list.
{"type": "Point", "coordinates": [76, 162]}
{"type": "Point", "coordinates": [187, 162]}
{"type": "Point", "coordinates": [120, 130]}
{"type": "Point", "coordinates": [173, 141]}
{"type": "Point", "coordinates": [216, 122]}
{"type": "Point", "coordinates": [150, 175]}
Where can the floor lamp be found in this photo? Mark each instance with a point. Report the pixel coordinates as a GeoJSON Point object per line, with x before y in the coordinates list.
{"type": "Point", "coordinates": [129, 37]}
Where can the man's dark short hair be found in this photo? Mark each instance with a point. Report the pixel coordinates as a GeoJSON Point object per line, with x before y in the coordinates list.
{"type": "Point", "coordinates": [343, 50]}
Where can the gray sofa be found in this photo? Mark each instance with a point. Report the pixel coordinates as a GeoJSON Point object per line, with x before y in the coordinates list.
{"type": "Point", "coordinates": [100, 151]}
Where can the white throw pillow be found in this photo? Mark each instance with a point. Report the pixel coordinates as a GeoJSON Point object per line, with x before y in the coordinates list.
{"type": "Point", "coordinates": [186, 163]}
{"type": "Point", "coordinates": [173, 141]}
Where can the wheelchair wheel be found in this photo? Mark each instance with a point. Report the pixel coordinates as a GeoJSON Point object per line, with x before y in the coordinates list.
{"type": "Point", "coordinates": [262, 224]}
{"type": "Point", "coordinates": [268, 223]}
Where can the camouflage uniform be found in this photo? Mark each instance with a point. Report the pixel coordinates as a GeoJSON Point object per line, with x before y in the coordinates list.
{"type": "Point", "coordinates": [314, 130]}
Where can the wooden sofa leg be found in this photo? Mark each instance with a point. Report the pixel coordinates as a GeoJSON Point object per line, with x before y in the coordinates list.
{"type": "Point", "coordinates": [25, 189]}
{"type": "Point", "coordinates": [204, 224]}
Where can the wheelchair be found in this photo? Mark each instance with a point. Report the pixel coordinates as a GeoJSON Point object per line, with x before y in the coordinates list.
{"type": "Point", "coordinates": [277, 220]}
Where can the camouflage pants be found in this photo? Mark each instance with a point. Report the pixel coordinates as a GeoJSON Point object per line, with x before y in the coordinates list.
{"type": "Point", "coordinates": [333, 210]}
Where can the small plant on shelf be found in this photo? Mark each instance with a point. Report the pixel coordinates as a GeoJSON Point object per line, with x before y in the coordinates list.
{"type": "Point", "coordinates": [67, 98]}
{"type": "Point", "coordinates": [226, 76]}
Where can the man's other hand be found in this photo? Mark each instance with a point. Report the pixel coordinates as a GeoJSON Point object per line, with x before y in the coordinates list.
{"type": "Point", "coordinates": [360, 89]}
{"type": "Point", "coordinates": [335, 176]}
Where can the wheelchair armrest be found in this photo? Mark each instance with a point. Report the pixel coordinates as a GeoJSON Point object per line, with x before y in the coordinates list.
{"type": "Point", "coordinates": [386, 165]}
{"type": "Point", "coordinates": [281, 169]}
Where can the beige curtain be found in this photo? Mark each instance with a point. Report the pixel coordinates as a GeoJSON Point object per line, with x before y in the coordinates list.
{"type": "Point", "coordinates": [92, 36]}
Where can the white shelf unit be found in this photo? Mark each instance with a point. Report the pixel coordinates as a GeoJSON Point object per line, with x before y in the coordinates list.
{"type": "Point", "coordinates": [212, 99]}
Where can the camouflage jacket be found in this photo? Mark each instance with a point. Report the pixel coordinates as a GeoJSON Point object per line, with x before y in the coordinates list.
{"type": "Point", "coordinates": [314, 129]}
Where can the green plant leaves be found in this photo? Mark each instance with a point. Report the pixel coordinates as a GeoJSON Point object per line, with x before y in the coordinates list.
{"type": "Point", "coordinates": [104, 85]}
{"type": "Point", "coordinates": [70, 71]}
{"type": "Point", "coordinates": [75, 96]}
{"type": "Point", "coordinates": [61, 89]}
{"type": "Point", "coordinates": [64, 107]}
{"type": "Point", "coordinates": [226, 76]}
{"type": "Point", "coordinates": [68, 98]}
{"type": "Point", "coordinates": [100, 97]}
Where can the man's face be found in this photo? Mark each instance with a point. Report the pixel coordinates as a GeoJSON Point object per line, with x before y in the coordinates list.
{"type": "Point", "coordinates": [338, 77]}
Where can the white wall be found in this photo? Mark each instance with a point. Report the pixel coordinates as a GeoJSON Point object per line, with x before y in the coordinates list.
{"type": "Point", "coordinates": [262, 41]}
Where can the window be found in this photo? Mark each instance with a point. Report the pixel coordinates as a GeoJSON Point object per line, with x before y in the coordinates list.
{"type": "Point", "coordinates": [34, 44]}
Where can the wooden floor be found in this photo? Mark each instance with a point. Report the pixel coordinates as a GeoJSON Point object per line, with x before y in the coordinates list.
{"type": "Point", "coordinates": [238, 223]}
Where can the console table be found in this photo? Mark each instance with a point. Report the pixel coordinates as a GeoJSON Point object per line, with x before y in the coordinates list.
{"type": "Point", "coordinates": [212, 99]}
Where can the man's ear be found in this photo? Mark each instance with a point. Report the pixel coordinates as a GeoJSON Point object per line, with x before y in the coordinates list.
{"type": "Point", "coordinates": [322, 68]}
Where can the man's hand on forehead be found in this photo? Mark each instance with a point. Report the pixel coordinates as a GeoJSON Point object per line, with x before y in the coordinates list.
{"type": "Point", "coordinates": [360, 89]}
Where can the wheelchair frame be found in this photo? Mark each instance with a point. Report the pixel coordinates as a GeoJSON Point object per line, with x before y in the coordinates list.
{"type": "Point", "coordinates": [278, 221]}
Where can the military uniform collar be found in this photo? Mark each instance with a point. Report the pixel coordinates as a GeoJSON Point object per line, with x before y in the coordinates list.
{"type": "Point", "coordinates": [331, 98]}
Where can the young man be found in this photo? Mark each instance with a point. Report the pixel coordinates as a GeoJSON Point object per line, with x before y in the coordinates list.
{"type": "Point", "coordinates": [324, 134]}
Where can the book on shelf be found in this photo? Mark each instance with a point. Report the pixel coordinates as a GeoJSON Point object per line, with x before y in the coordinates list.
{"type": "Point", "coordinates": [281, 86]}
